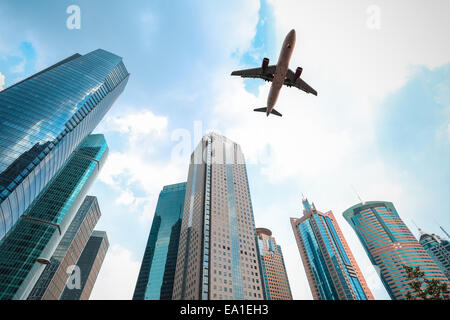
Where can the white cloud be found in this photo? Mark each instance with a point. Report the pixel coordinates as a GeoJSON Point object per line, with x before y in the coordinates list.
{"type": "Point", "coordinates": [232, 23]}
{"type": "Point", "coordinates": [123, 170]}
{"type": "Point", "coordinates": [137, 124]}
{"type": "Point", "coordinates": [2, 81]}
{"type": "Point", "coordinates": [126, 198]}
{"type": "Point", "coordinates": [139, 163]}
{"type": "Point", "coordinates": [117, 277]}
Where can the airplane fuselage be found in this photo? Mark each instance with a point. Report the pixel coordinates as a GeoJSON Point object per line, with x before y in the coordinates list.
{"type": "Point", "coordinates": [281, 70]}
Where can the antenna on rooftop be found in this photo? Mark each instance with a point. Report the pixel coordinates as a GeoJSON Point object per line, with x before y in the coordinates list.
{"type": "Point", "coordinates": [357, 194]}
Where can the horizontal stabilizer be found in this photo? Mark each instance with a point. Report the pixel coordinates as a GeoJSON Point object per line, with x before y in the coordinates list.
{"type": "Point", "coordinates": [260, 110]}
{"type": "Point", "coordinates": [275, 112]}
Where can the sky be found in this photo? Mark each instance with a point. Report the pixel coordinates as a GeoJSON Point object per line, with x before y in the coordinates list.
{"type": "Point", "coordinates": [380, 123]}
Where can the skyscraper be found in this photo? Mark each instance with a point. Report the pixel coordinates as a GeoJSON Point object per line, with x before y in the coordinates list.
{"type": "Point", "coordinates": [155, 280]}
{"type": "Point", "coordinates": [217, 255]}
{"type": "Point", "coordinates": [390, 245]}
{"type": "Point", "coordinates": [29, 246]}
{"type": "Point", "coordinates": [43, 119]}
{"type": "Point", "coordinates": [90, 262]}
{"type": "Point", "coordinates": [438, 249]}
{"type": "Point", "coordinates": [53, 279]}
{"type": "Point", "coordinates": [273, 270]}
{"type": "Point", "coordinates": [331, 269]}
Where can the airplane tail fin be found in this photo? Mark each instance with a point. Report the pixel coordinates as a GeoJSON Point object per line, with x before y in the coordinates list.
{"type": "Point", "coordinates": [275, 112]}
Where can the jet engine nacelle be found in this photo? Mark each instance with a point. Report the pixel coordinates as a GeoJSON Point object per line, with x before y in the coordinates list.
{"type": "Point", "coordinates": [298, 73]}
{"type": "Point", "coordinates": [265, 64]}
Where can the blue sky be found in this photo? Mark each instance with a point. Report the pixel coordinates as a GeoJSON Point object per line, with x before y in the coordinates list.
{"type": "Point", "coordinates": [380, 122]}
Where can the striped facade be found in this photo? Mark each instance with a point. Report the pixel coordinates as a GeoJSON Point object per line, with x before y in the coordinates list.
{"type": "Point", "coordinates": [273, 270]}
{"type": "Point", "coordinates": [390, 245]}
{"type": "Point", "coordinates": [331, 269]}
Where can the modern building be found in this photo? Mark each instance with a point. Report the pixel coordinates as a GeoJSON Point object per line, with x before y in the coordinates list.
{"type": "Point", "coordinates": [438, 249]}
{"type": "Point", "coordinates": [217, 254]}
{"type": "Point", "coordinates": [53, 279]}
{"type": "Point", "coordinates": [156, 276]}
{"type": "Point", "coordinates": [390, 245]}
{"type": "Point", "coordinates": [273, 269]}
{"type": "Point", "coordinates": [89, 265]}
{"type": "Point", "coordinates": [29, 246]}
{"type": "Point", "coordinates": [44, 118]}
{"type": "Point", "coordinates": [331, 269]}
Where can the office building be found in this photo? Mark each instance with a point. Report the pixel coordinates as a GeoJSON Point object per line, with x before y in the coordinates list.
{"type": "Point", "coordinates": [155, 280]}
{"type": "Point", "coordinates": [53, 279]}
{"type": "Point", "coordinates": [44, 118]}
{"type": "Point", "coordinates": [273, 269]}
{"type": "Point", "coordinates": [438, 249]}
{"type": "Point", "coordinates": [390, 245]}
{"type": "Point", "coordinates": [89, 265]}
{"type": "Point", "coordinates": [217, 254]}
{"type": "Point", "coordinates": [31, 243]}
{"type": "Point", "coordinates": [331, 269]}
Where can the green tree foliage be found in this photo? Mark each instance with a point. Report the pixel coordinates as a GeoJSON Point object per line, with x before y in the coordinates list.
{"type": "Point", "coordinates": [424, 289]}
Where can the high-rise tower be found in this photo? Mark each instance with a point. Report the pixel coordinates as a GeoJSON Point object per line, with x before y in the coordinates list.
{"type": "Point", "coordinates": [390, 245]}
{"type": "Point", "coordinates": [217, 255]}
{"type": "Point", "coordinates": [90, 262]}
{"type": "Point", "coordinates": [155, 280]}
{"type": "Point", "coordinates": [438, 249]}
{"type": "Point", "coordinates": [273, 270]}
{"type": "Point", "coordinates": [53, 279]}
{"type": "Point", "coordinates": [31, 243]}
{"type": "Point", "coordinates": [331, 269]}
{"type": "Point", "coordinates": [43, 119]}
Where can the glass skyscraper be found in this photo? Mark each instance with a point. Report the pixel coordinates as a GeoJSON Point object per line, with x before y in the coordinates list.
{"type": "Point", "coordinates": [331, 269]}
{"type": "Point", "coordinates": [390, 245]}
{"type": "Point", "coordinates": [273, 270]}
{"type": "Point", "coordinates": [156, 276]}
{"type": "Point", "coordinates": [43, 119]}
{"type": "Point", "coordinates": [218, 254]}
{"type": "Point", "coordinates": [29, 246]}
{"type": "Point", "coordinates": [90, 262]}
{"type": "Point", "coordinates": [54, 277]}
{"type": "Point", "coordinates": [438, 249]}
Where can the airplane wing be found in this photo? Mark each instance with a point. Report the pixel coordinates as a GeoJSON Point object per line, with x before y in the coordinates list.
{"type": "Point", "coordinates": [266, 74]}
{"type": "Point", "coordinates": [299, 83]}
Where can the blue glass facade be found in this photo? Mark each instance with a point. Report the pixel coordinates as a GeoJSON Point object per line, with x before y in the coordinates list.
{"type": "Point", "coordinates": [331, 269]}
{"type": "Point", "coordinates": [438, 249]}
{"type": "Point", "coordinates": [156, 276]}
{"type": "Point", "coordinates": [44, 118]}
{"type": "Point", "coordinates": [30, 244]}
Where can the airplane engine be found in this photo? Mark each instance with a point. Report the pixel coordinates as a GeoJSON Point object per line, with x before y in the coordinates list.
{"type": "Point", "coordinates": [298, 73]}
{"type": "Point", "coordinates": [265, 63]}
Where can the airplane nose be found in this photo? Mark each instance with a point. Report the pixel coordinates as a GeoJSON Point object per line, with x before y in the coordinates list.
{"type": "Point", "coordinates": [292, 33]}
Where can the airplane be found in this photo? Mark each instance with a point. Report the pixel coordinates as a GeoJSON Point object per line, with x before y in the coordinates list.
{"type": "Point", "coordinates": [279, 74]}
